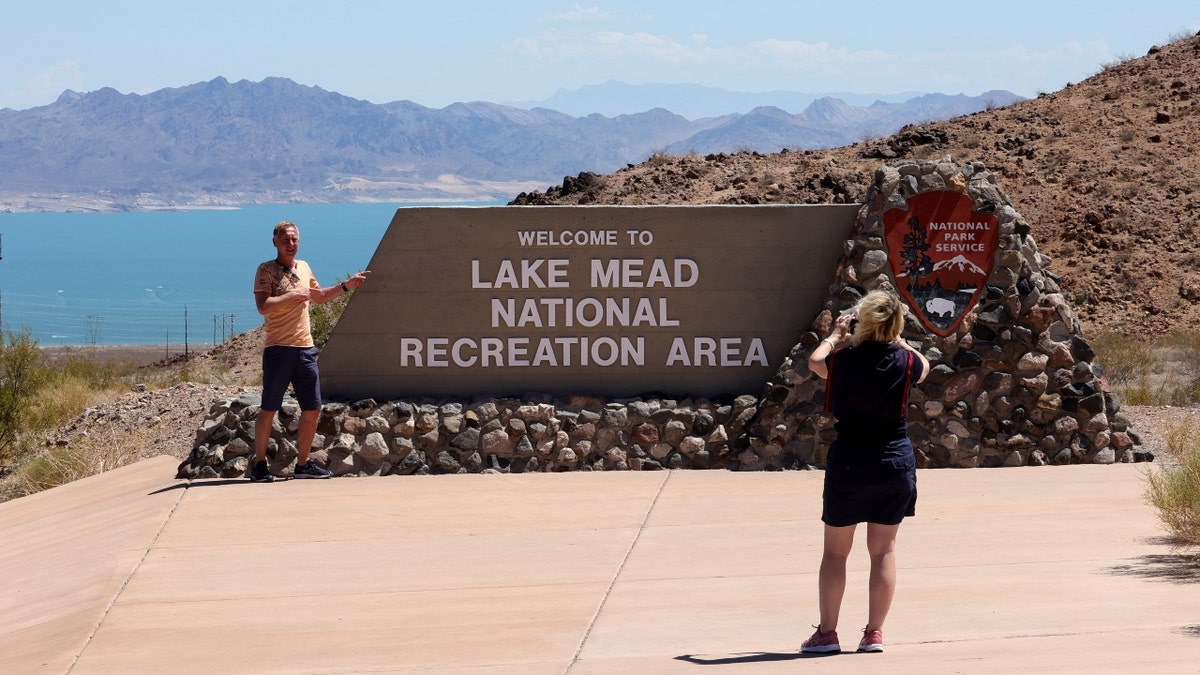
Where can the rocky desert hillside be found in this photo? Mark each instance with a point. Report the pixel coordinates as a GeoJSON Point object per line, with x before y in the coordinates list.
{"type": "Point", "coordinates": [1106, 171]}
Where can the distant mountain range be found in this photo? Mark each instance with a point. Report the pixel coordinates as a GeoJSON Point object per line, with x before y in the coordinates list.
{"type": "Point", "coordinates": [692, 101]}
{"type": "Point", "coordinates": [218, 142]}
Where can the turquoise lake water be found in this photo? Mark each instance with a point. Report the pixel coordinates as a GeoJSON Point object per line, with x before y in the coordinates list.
{"type": "Point", "coordinates": [129, 278]}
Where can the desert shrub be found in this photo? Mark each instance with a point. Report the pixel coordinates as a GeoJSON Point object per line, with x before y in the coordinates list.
{"type": "Point", "coordinates": [58, 403]}
{"type": "Point", "coordinates": [1188, 342]}
{"type": "Point", "coordinates": [1170, 391]}
{"type": "Point", "coordinates": [658, 158]}
{"type": "Point", "coordinates": [1117, 61]}
{"type": "Point", "coordinates": [1173, 488]}
{"type": "Point", "coordinates": [21, 378]}
{"type": "Point", "coordinates": [59, 465]}
{"type": "Point", "coordinates": [1163, 372]}
{"type": "Point", "coordinates": [1180, 34]}
{"type": "Point", "coordinates": [325, 317]}
{"type": "Point", "coordinates": [1121, 356]}
{"type": "Point", "coordinates": [73, 384]}
{"type": "Point", "coordinates": [40, 393]}
{"type": "Point", "coordinates": [106, 374]}
{"type": "Point", "coordinates": [1138, 393]}
{"type": "Point", "coordinates": [56, 466]}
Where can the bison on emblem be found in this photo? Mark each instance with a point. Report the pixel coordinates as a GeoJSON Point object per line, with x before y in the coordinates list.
{"type": "Point", "coordinates": [940, 306]}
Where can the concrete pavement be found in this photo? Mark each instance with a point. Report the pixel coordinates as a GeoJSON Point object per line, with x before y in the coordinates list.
{"type": "Point", "coordinates": [1032, 570]}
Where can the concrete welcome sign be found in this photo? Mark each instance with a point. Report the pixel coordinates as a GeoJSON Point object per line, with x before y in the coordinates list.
{"type": "Point", "coordinates": [593, 300]}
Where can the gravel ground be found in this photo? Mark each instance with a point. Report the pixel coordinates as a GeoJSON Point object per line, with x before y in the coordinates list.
{"type": "Point", "coordinates": [1154, 422]}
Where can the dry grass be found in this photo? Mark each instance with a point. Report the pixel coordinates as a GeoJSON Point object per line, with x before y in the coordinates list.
{"type": "Point", "coordinates": [59, 465]}
{"type": "Point", "coordinates": [82, 378]}
{"type": "Point", "coordinates": [1173, 488]}
{"type": "Point", "coordinates": [1164, 372]}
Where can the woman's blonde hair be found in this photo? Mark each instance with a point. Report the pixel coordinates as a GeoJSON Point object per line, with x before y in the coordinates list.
{"type": "Point", "coordinates": [880, 317]}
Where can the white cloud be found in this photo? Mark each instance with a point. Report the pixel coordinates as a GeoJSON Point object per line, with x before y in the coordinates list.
{"type": "Point", "coordinates": [1018, 67]}
{"type": "Point", "coordinates": [582, 14]}
{"type": "Point", "coordinates": [807, 66]}
{"type": "Point", "coordinates": [46, 86]}
{"type": "Point", "coordinates": [653, 50]}
{"type": "Point", "coordinates": [640, 47]}
{"type": "Point", "coordinates": [607, 47]}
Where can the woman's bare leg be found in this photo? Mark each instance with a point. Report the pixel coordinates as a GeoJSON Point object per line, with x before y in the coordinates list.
{"type": "Point", "coordinates": [881, 544]}
{"type": "Point", "coordinates": [831, 580]}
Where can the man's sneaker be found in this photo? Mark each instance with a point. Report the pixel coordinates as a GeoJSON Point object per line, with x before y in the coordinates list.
{"type": "Point", "coordinates": [260, 473]}
{"type": "Point", "coordinates": [311, 470]}
{"type": "Point", "coordinates": [872, 641]}
{"type": "Point", "coordinates": [822, 643]}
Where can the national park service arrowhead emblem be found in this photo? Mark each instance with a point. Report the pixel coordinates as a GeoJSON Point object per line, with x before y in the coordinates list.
{"type": "Point", "coordinates": [941, 254]}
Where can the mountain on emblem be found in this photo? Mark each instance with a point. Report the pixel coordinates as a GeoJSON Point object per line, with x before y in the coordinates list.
{"type": "Point", "coordinates": [960, 264]}
{"type": "Point", "coordinates": [941, 254]}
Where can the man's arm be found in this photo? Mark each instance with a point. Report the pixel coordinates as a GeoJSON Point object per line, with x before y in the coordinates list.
{"type": "Point", "coordinates": [265, 302]}
{"type": "Point", "coordinates": [324, 295]}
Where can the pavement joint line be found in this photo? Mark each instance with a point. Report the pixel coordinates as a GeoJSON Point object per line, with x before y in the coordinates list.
{"type": "Point", "coordinates": [133, 572]}
{"type": "Point", "coordinates": [616, 575]}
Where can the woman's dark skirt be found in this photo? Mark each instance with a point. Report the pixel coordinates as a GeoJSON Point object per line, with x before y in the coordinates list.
{"type": "Point", "coordinates": [870, 484]}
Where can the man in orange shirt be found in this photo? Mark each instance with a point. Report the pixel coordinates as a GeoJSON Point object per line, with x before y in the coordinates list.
{"type": "Point", "coordinates": [283, 287]}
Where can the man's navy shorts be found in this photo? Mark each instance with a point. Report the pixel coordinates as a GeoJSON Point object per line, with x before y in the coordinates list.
{"type": "Point", "coordinates": [296, 366]}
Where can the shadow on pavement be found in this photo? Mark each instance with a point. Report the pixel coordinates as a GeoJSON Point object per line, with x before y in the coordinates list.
{"type": "Point", "coordinates": [200, 483]}
{"type": "Point", "coordinates": [1182, 565]}
{"type": "Point", "coordinates": [748, 657]}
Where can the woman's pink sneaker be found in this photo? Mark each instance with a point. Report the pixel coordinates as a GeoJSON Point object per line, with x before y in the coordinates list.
{"type": "Point", "coordinates": [822, 642]}
{"type": "Point", "coordinates": [872, 641]}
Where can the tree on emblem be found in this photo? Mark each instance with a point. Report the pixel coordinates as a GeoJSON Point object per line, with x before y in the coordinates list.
{"type": "Point", "coordinates": [916, 263]}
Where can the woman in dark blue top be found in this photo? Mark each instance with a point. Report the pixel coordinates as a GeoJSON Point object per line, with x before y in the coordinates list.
{"type": "Point", "coordinates": [870, 474]}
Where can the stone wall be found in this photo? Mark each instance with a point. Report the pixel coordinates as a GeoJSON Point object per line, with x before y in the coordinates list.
{"type": "Point", "coordinates": [1015, 384]}
{"type": "Point", "coordinates": [492, 434]}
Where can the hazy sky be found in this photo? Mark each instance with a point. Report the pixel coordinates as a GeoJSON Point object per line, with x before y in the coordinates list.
{"type": "Point", "coordinates": [436, 52]}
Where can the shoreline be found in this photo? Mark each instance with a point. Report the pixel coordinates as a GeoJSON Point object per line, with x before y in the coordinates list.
{"type": "Point", "coordinates": [63, 204]}
{"type": "Point", "coordinates": [138, 354]}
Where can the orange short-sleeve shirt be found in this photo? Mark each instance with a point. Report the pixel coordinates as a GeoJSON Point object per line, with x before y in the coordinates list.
{"type": "Point", "coordinates": [287, 326]}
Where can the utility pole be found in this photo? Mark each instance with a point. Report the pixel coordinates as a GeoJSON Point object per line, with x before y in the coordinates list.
{"type": "Point", "coordinates": [185, 333]}
{"type": "Point", "coordinates": [93, 327]}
